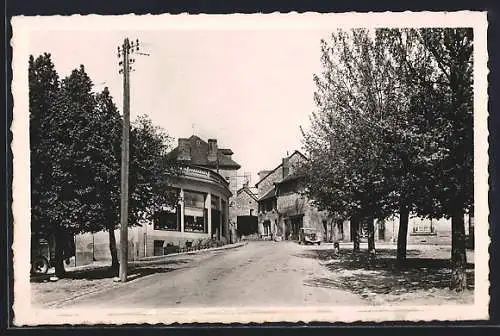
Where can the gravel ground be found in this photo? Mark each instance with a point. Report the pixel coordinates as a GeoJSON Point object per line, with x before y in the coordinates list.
{"type": "Point", "coordinates": [258, 274]}
{"type": "Point", "coordinates": [424, 280]}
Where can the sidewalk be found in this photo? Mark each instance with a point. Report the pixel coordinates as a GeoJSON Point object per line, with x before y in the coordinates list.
{"type": "Point", "coordinates": [95, 277]}
{"type": "Point", "coordinates": [142, 261]}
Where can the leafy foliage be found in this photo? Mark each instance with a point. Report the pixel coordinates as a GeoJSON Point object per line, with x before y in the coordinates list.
{"type": "Point", "coordinates": [151, 172]}
{"type": "Point", "coordinates": [43, 89]}
{"type": "Point", "coordinates": [76, 157]}
{"type": "Point", "coordinates": [393, 127]}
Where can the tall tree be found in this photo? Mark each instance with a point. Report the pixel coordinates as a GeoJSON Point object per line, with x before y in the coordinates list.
{"type": "Point", "coordinates": [443, 97]}
{"type": "Point", "coordinates": [393, 130]}
{"type": "Point", "coordinates": [357, 97]}
{"type": "Point", "coordinates": [452, 51]}
{"type": "Point", "coordinates": [76, 152]}
{"type": "Point", "coordinates": [68, 143]}
{"type": "Point", "coordinates": [106, 153]}
{"type": "Point", "coordinates": [43, 89]}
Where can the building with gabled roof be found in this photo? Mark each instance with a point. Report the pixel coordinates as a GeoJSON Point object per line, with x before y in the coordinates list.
{"type": "Point", "coordinates": [283, 208]}
{"type": "Point", "coordinates": [243, 211]}
{"type": "Point", "coordinates": [194, 151]}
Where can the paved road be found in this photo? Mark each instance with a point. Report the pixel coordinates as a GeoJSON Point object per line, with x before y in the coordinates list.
{"type": "Point", "coordinates": [258, 274]}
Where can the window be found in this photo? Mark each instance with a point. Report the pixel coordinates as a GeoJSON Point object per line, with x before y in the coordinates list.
{"type": "Point", "coordinates": [168, 219]}
{"type": "Point", "coordinates": [423, 227]}
{"type": "Point", "coordinates": [215, 203]}
{"type": "Point", "coordinates": [223, 218]}
{"type": "Point", "coordinates": [194, 199]}
{"type": "Point", "coordinates": [251, 212]}
{"type": "Point", "coordinates": [195, 222]}
{"type": "Point", "coordinates": [195, 214]}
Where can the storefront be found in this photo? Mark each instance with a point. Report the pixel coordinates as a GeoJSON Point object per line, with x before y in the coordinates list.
{"type": "Point", "coordinates": [200, 215]}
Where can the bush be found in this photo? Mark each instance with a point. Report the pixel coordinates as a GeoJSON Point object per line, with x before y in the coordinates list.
{"type": "Point", "coordinates": [171, 248]}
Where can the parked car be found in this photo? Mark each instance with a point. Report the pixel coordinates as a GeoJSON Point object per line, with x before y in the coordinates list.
{"type": "Point", "coordinates": [42, 254]}
{"type": "Point", "coordinates": [43, 251]}
{"type": "Point", "coordinates": [309, 236]}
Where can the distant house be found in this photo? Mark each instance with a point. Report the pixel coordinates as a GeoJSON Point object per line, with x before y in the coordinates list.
{"type": "Point", "coordinates": [243, 211]}
{"type": "Point", "coordinates": [283, 206]}
{"type": "Point", "coordinates": [204, 189]}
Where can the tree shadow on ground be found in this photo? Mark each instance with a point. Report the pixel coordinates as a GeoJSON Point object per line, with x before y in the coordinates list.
{"type": "Point", "coordinates": [357, 273]}
{"type": "Point", "coordinates": [134, 271]}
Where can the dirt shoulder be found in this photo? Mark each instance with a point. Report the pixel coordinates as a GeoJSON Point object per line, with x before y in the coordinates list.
{"type": "Point", "coordinates": [422, 280]}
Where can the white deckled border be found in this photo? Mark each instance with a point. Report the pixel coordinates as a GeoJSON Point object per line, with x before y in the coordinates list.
{"type": "Point", "coordinates": [25, 314]}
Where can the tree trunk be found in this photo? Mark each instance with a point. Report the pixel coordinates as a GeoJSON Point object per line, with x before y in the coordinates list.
{"type": "Point", "coordinates": [471, 229]}
{"type": "Point", "coordinates": [332, 227]}
{"type": "Point", "coordinates": [356, 233]}
{"type": "Point", "coordinates": [458, 256]}
{"type": "Point", "coordinates": [115, 265]}
{"type": "Point", "coordinates": [404, 214]}
{"type": "Point", "coordinates": [371, 239]}
{"type": "Point", "coordinates": [335, 231]}
{"type": "Point", "coordinates": [60, 243]}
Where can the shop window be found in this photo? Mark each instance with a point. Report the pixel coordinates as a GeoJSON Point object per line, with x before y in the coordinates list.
{"type": "Point", "coordinates": [168, 219]}
{"type": "Point", "coordinates": [423, 227]}
{"type": "Point", "coordinates": [194, 199]}
{"type": "Point", "coordinates": [195, 221]}
{"type": "Point", "coordinates": [195, 214]}
{"type": "Point", "coordinates": [215, 203]}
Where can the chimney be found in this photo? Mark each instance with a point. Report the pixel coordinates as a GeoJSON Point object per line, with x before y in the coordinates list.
{"type": "Point", "coordinates": [248, 178]}
{"type": "Point", "coordinates": [286, 166]}
{"type": "Point", "coordinates": [262, 173]}
{"type": "Point", "coordinates": [184, 150]}
{"type": "Point", "coordinates": [212, 150]}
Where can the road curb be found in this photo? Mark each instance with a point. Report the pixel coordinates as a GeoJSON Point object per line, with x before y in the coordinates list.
{"type": "Point", "coordinates": [55, 304]}
{"type": "Point", "coordinates": [166, 256]}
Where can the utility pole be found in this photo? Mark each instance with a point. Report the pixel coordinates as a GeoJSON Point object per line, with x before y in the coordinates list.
{"type": "Point", "coordinates": [124, 52]}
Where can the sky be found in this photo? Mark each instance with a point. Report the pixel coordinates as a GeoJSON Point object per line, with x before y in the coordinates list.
{"type": "Point", "coordinates": [250, 89]}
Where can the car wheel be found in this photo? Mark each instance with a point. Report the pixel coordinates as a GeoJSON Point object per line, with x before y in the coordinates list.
{"type": "Point", "coordinates": [40, 265]}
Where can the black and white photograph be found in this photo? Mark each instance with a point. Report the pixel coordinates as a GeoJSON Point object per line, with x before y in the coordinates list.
{"type": "Point", "coordinates": [250, 168]}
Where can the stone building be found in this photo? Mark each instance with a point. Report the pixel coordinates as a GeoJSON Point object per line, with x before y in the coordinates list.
{"type": "Point", "coordinates": [243, 211]}
{"type": "Point", "coordinates": [202, 213]}
{"type": "Point", "coordinates": [284, 209]}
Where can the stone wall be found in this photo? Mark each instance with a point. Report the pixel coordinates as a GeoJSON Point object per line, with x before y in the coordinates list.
{"type": "Point", "coordinates": [291, 204]}
{"type": "Point", "coordinates": [273, 218]}
{"type": "Point", "coordinates": [268, 183]}
{"type": "Point", "coordinates": [242, 204]}
{"type": "Point", "coordinates": [291, 164]}
{"type": "Point", "coordinates": [95, 247]}
{"type": "Point", "coordinates": [441, 234]}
